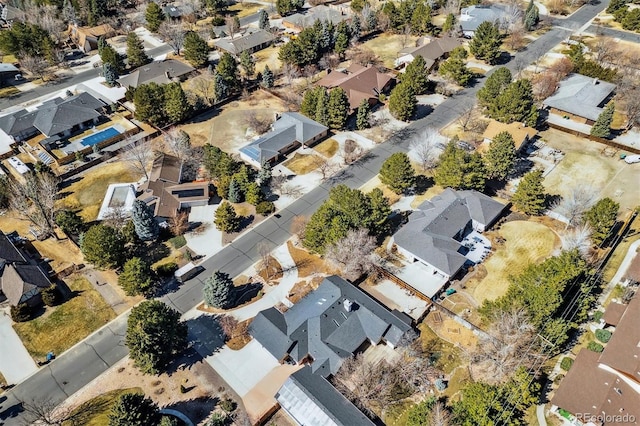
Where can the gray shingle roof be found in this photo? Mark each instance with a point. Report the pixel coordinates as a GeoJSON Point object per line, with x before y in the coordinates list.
{"type": "Point", "coordinates": [58, 115]}
{"type": "Point", "coordinates": [248, 41]}
{"type": "Point", "coordinates": [471, 17]}
{"type": "Point", "coordinates": [433, 50]}
{"type": "Point", "coordinates": [317, 13]}
{"type": "Point", "coordinates": [581, 95]}
{"type": "Point", "coordinates": [155, 72]}
{"type": "Point", "coordinates": [433, 231]}
{"type": "Point", "coordinates": [19, 121]}
{"type": "Point", "coordinates": [8, 251]}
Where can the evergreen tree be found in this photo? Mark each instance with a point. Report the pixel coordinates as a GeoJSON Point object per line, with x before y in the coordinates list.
{"type": "Point", "coordinates": [103, 246]}
{"type": "Point", "coordinates": [380, 211]}
{"type": "Point", "coordinates": [154, 336]}
{"type": "Point", "coordinates": [322, 113]}
{"type": "Point", "coordinates": [338, 108]}
{"type": "Point", "coordinates": [195, 49]}
{"type": "Point", "coordinates": [495, 84]}
{"type": "Point", "coordinates": [356, 27]}
{"type": "Point", "coordinates": [501, 156]}
{"type": "Point", "coordinates": [267, 77]}
{"type": "Point", "coordinates": [220, 88]}
{"type": "Point", "coordinates": [515, 103]}
{"type": "Point", "coordinates": [149, 102]}
{"type": "Point", "coordinates": [263, 20]}
{"type": "Point", "coordinates": [136, 277]}
{"type": "Point", "coordinates": [247, 63]}
{"type": "Point", "coordinates": [531, 16]}
{"type": "Point", "coordinates": [216, 7]}
{"type": "Point", "coordinates": [397, 173]}
{"type": "Point", "coordinates": [601, 218]}
{"type": "Point", "coordinates": [154, 16]}
{"type": "Point", "coordinates": [342, 43]}
{"type": "Point", "coordinates": [70, 222]}
{"type": "Point", "coordinates": [372, 21]}
{"type": "Point", "coordinates": [530, 197]}
{"type": "Point", "coordinates": [228, 69]}
{"type": "Point", "coordinates": [403, 102]}
{"type": "Point", "coordinates": [449, 23]}
{"type": "Point", "coordinates": [485, 44]}
{"type": "Point", "coordinates": [135, 51]}
{"type": "Point", "coordinates": [455, 67]}
{"type": "Point", "coordinates": [144, 221]}
{"type": "Point", "coordinates": [421, 19]}
{"type": "Point", "coordinates": [226, 219]}
{"type": "Point", "coordinates": [416, 75]}
{"type": "Point", "coordinates": [363, 116]}
{"type": "Point", "coordinates": [459, 169]}
{"type": "Point", "coordinates": [176, 104]}
{"type": "Point", "coordinates": [218, 290]}
{"type": "Point", "coordinates": [326, 35]}
{"type": "Point", "coordinates": [108, 55]}
{"type": "Point", "coordinates": [235, 193]}
{"type": "Point", "coordinates": [110, 74]}
{"type": "Point", "coordinates": [134, 409]}
{"type": "Point", "coordinates": [310, 101]}
{"type": "Point", "coordinates": [253, 195]}
{"type": "Point", "coordinates": [264, 174]}
{"type": "Point", "coordinates": [602, 127]}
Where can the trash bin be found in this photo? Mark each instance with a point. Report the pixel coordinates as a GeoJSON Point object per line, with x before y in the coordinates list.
{"type": "Point", "coordinates": [50, 356]}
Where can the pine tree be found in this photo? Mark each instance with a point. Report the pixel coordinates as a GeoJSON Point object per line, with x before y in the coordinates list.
{"type": "Point", "coordinates": [485, 44]}
{"type": "Point", "coordinates": [176, 104]}
{"type": "Point", "coordinates": [356, 27]}
{"type": "Point", "coordinates": [449, 23]}
{"type": "Point", "coordinates": [310, 102]}
{"type": "Point", "coordinates": [264, 174]}
{"type": "Point", "coordinates": [108, 55]}
{"type": "Point", "coordinates": [459, 169]}
{"type": "Point", "coordinates": [247, 63]}
{"type": "Point", "coordinates": [110, 74]}
{"type": "Point", "coordinates": [501, 156]}
{"type": "Point", "coordinates": [341, 39]}
{"type": "Point", "coordinates": [228, 69]}
{"type": "Point", "coordinates": [263, 20]}
{"type": "Point", "coordinates": [322, 113]}
{"type": "Point", "coordinates": [372, 21]}
{"type": "Point", "coordinates": [326, 35]}
{"type": "Point", "coordinates": [421, 19]}
{"type": "Point", "coordinates": [218, 290]}
{"type": "Point", "coordinates": [220, 88]}
{"type": "Point", "coordinates": [267, 77]}
{"type": "Point", "coordinates": [515, 103]}
{"type": "Point", "coordinates": [397, 172]}
{"type": "Point", "coordinates": [136, 55]}
{"type": "Point", "coordinates": [226, 219]}
{"type": "Point", "coordinates": [154, 16]}
{"type": "Point", "coordinates": [530, 197]}
{"type": "Point", "coordinates": [103, 246]}
{"type": "Point", "coordinates": [134, 409]}
{"type": "Point", "coordinates": [235, 193]}
{"type": "Point", "coordinates": [380, 211]}
{"type": "Point", "coordinates": [531, 16]}
{"type": "Point", "coordinates": [136, 277]}
{"type": "Point", "coordinates": [416, 75]}
{"type": "Point", "coordinates": [602, 127]}
{"type": "Point", "coordinates": [338, 108]}
{"type": "Point", "coordinates": [149, 102]}
{"type": "Point", "coordinates": [195, 49]}
{"type": "Point", "coordinates": [601, 218]}
{"type": "Point", "coordinates": [455, 67]}
{"type": "Point", "coordinates": [403, 102]}
{"type": "Point", "coordinates": [363, 115]}
{"type": "Point", "coordinates": [495, 84]}
{"type": "Point", "coordinates": [144, 221]}
{"type": "Point", "coordinates": [253, 195]}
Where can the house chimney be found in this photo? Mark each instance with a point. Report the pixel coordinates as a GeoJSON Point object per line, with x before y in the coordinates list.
{"type": "Point", "coordinates": [348, 305]}
{"type": "Point", "coordinates": [166, 73]}
{"type": "Point", "coordinates": [595, 81]}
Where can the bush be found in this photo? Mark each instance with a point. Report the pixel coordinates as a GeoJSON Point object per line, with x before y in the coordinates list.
{"type": "Point", "coordinates": [178, 242]}
{"type": "Point", "coordinates": [167, 269]}
{"type": "Point", "coordinates": [265, 208]}
{"type": "Point", "coordinates": [50, 295]}
{"type": "Point", "coordinates": [566, 363]}
{"type": "Point", "coordinates": [227, 405]}
{"type": "Point", "coordinates": [21, 313]}
{"type": "Point", "coordinates": [603, 335]}
{"type": "Point", "coordinates": [597, 316]}
{"type": "Point", "coordinates": [595, 347]}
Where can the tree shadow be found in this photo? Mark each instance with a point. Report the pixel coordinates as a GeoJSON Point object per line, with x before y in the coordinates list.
{"type": "Point", "coordinates": [205, 336]}
{"type": "Point", "coordinates": [12, 411]}
{"type": "Point", "coordinates": [246, 221]}
{"type": "Point", "coordinates": [422, 111]}
{"type": "Point", "coordinates": [401, 135]}
{"type": "Point", "coordinates": [197, 409]}
{"type": "Point", "coordinates": [246, 292]}
{"type": "Point", "coordinates": [503, 59]}
{"type": "Point", "coordinates": [83, 414]}
{"type": "Point", "coordinates": [422, 184]}
{"type": "Point", "coordinates": [204, 116]}
{"type": "Point", "coordinates": [151, 252]}
{"type": "Point", "coordinates": [68, 182]}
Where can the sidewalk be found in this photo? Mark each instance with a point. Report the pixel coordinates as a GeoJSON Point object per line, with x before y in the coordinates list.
{"type": "Point", "coordinates": [106, 290]}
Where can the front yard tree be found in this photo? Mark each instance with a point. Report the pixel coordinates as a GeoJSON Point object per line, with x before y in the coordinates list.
{"type": "Point", "coordinates": [416, 75]}
{"type": "Point", "coordinates": [403, 102]}
{"type": "Point", "coordinates": [263, 20]}
{"type": "Point", "coordinates": [248, 64]}
{"type": "Point", "coordinates": [135, 51]}
{"type": "Point", "coordinates": [267, 77]}
{"type": "Point", "coordinates": [363, 116]}
{"type": "Point", "coordinates": [149, 102]}
{"type": "Point", "coordinates": [322, 109]}
{"type": "Point", "coordinates": [110, 74]}
{"type": "Point", "coordinates": [220, 88]}
{"type": "Point", "coordinates": [34, 199]}
{"type": "Point", "coordinates": [108, 55]}
{"type": "Point", "coordinates": [397, 173]}
{"type": "Point", "coordinates": [154, 16]}
{"type": "Point", "coordinates": [103, 246]}
{"type": "Point", "coordinates": [455, 68]}
{"type": "Point", "coordinates": [602, 127]}
{"type": "Point", "coordinates": [134, 409]}
{"type": "Point", "coordinates": [501, 156]}
{"type": "Point", "coordinates": [218, 290]}
{"type": "Point", "coordinates": [495, 84]}
{"type": "Point", "coordinates": [380, 210]}
{"type": "Point", "coordinates": [195, 49]}
{"type": "Point", "coordinates": [310, 101]}
{"type": "Point", "coordinates": [531, 16]}
{"type": "Point", "coordinates": [235, 193]}
{"type": "Point", "coordinates": [515, 103]}
{"type": "Point", "coordinates": [144, 221]}
{"type": "Point", "coordinates": [226, 219]}
{"type": "Point", "coordinates": [485, 44]}
{"type": "Point", "coordinates": [228, 69]}
{"type": "Point", "coordinates": [449, 22]}
{"type": "Point", "coordinates": [338, 108]}
{"type": "Point", "coordinates": [176, 104]}
{"type": "Point", "coordinates": [601, 218]}
{"type": "Point", "coordinates": [154, 336]}
{"type": "Point", "coordinates": [136, 277]}
{"type": "Point", "coordinates": [459, 169]}
{"type": "Point", "coordinates": [530, 197]}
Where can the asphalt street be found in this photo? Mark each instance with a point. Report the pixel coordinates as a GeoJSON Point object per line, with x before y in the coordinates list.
{"type": "Point", "coordinates": [87, 360]}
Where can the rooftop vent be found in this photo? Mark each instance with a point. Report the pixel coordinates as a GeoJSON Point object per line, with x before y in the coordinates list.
{"type": "Point", "coordinates": [348, 305]}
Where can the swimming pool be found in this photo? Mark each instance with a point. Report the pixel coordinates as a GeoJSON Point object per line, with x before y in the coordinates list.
{"type": "Point", "coordinates": [100, 136]}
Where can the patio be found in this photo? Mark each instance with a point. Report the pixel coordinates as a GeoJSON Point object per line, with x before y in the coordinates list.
{"type": "Point", "coordinates": [479, 246]}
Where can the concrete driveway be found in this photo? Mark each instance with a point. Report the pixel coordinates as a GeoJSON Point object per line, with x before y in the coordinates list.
{"type": "Point", "coordinates": [15, 362]}
{"type": "Point", "coordinates": [209, 241]}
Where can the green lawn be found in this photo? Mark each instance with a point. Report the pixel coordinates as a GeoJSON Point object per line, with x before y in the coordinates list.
{"type": "Point", "coordinates": [65, 325]}
{"type": "Point", "coordinates": [95, 412]}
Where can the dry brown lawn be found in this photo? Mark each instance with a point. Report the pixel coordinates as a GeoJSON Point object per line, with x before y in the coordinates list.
{"type": "Point", "coordinates": [268, 56]}
{"type": "Point", "coordinates": [526, 243]}
{"type": "Point", "coordinates": [327, 148]}
{"type": "Point", "coordinates": [302, 288]}
{"type": "Point", "coordinates": [245, 9]}
{"type": "Point", "coordinates": [450, 330]}
{"type": "Point", "coordinates": [308, 264]}
{"type": "Point", "coordinates": [61, 252]}
{"type": "Point", "coordinates": [387, 46]}
{"type": "Point", "coordinates": [375, 183]}
{"type": "Point", "coordinates": [272, 271]}
{"type": "Point", "coordinates": [301, 164]}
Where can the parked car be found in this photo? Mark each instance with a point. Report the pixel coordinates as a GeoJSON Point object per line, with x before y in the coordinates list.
{"type": "Point", "coordinates": [630, 159]}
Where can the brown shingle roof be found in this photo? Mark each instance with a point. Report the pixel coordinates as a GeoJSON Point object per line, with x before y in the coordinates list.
{"type": "Point", "coordinates": [633, 272]}
{"type": "Point", "coordinates": [433, 50]}
{"type": "Point", "coordinates": [167, 168]}
{"type": "Point", "coordinates": [518, 131]}
{"type": "Point", "coordinates": [623, 350]}
{"type": "Point", "coordinates": [613, 313]}
{"type": "Point", "coordinates": [359, 82]}
{"type": "Point", "coordinates": [21, 282]}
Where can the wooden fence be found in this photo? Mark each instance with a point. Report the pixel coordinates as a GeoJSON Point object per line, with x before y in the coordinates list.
{"type": "Point", "coordinates": [596, 139]}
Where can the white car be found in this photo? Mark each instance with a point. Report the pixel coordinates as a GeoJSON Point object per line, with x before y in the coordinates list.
{"type": "Point", "coordinates": [630, 159]}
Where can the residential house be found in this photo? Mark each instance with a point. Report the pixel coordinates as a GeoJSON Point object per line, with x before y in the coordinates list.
{"type": "Point", "coordinates": [8, 14]}
{"type": "Point", "coordinates": [360, 83]}
{"type": "Point", "coordinates": [21, 278]}
{"type": "Point", "coordinates": [164, 191]}
{"type": "Point", "coordinates": [434, 233]}
{"type": "Point", "coordinates": [86, 38]}
{"type": "Point", "coordinates": [7, 72]}
{"type": "Point", "coordinates": [520, 133]}
{"type": "Point", "coordinates": [332, 323]}
{"type": "Point", "coordinates": [172, 12]}
{"type": "Point", "coordinates": [250, 41]}
{"type": "Point", "coordinates": [162, 72]}
{"type": "Point", "coordinates": [471, 17]}
{"type": "Point", "coordinates": [290, 131]}
{"type": "Point", "coordinates": [433, 50]}
{"type": "Point", "coordinates": [604, 388]}
{"type": "Point", "coordinates": [334, 13]}
{"type": "Point", "coordinates": [578, 102]}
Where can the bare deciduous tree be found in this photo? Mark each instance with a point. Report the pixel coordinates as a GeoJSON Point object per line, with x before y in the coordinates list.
{"type": "Point", "coordinates": [228, 324]}
{"type": "Point", "coordinates": [290, 72]}
{"type": "Point", "coordinates": [544, 84]}
{"type": "Point", "coordinates": [173, 35]}
{"type": "Point", "coordinates": [298, 226]}
{"type": "Point", "coordinates": [578, 238]}
{"type": "Point", "coordinates": [468, 114]}
{"type": "Point", "coordinates": [34, 65]}
{"type": "Point", "coordinates": [424, 148]}
{"type": "Point", "coordinates": [138, 157]}
{"type": "Point", "coordinates": [604, 50]}
{"type": "Point", "coordinates": [324, 166]}
{"type": "Point", "coordinates": [440, 415]}
{"type": "Point", "coordinates": [516, 39]}
{"type": "Point", "coordinates": [452, 7]}
{"type": "Point", "coordinates": [354, 254]}
{"type": "Point", "coordinates": [233, 25]}
{"type": "Point", "coordinates": [191, 6]}
{"type": "Point", "coordinates": [204, 86]}
{"type": "Point", "coordinates": [264, 251]}
{"type": "Point", "coordinates": [179, 224]}
{"type": "Point", "coordinates": [351, 151]}
{"type": "Point", "coordinates": [576, 203]}
{"type": "Point", "coordinates": [34, 199]}
{"type": "Point", "coordinates": [45, 412]}
{"type": "Point", "coordinates": [178, 142]}
{"type": "Point", "coordinates": [117, 217]}
{"type": "Point", "coordinates": [256, 122]}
